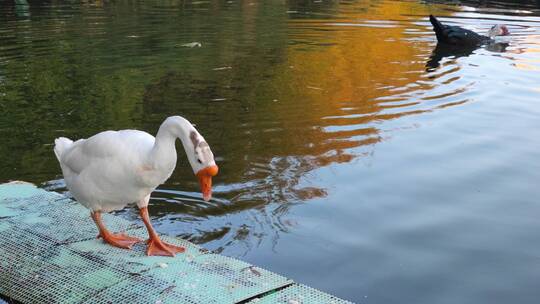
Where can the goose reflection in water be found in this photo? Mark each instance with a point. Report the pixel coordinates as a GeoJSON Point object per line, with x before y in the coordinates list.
{"type": "Point", "coordinates": [443, 50]}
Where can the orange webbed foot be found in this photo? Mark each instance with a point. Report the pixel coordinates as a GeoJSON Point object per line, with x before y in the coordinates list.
{"type": "Point", "coordinates": [158, 247]}
{"type": "Point", "coordinates": [120, 240]}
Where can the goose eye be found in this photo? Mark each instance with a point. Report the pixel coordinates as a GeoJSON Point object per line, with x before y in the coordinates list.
{"type": "Point", "coordinates": [198, 160]}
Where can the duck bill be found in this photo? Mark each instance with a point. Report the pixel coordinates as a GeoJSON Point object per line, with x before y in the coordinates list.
{"type": "Point", "coordinates": [205, 180]}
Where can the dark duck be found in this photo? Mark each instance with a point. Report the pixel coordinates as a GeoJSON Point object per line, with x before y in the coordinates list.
{"type": "Point", "coordinates": [455, 35]}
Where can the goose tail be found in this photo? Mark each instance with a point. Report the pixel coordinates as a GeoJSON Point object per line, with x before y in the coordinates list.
{"type": "Point", "coordinates": [437, 26]}
{"type": "Point", "coordinates": [61, 144]}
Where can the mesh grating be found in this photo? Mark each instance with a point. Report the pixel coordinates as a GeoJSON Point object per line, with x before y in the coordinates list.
{"type": "Point", "coordinates": [5, 225]}
{"type": "Point", "coordinates": [30, 261]}
{"type": "Point", "coordinates": [6, 212]}
{"type": "Point", "coordinates": [18, 198]}
{"type": "Point", "coordinates": [57, 221]}
{"type": "Point", "coordinates": [143, 289]}
{"type": "Point", "coordinates": [133, 261]}
{"type": "Point", "coordinates": [21, 206]}
{"type": "Point", "coordinates": [18, 190]}
{"type": "Point", "coordinates": [49, 254]}
{"type": "Point", "coordinates": [218, 279]}
{"type": "Point", "coordinates": [299, 294]}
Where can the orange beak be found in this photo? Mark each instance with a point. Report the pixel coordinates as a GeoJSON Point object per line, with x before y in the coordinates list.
{"type": "Point", "coordinates": [205, 180]}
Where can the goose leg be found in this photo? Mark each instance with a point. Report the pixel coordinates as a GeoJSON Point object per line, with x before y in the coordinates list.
{"type": "Point", "coordinates": [118, 240]}
{"type": "Point", "coordinates": [155, 245]}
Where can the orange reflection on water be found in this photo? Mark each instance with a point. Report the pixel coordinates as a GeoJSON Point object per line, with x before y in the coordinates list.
{"type": "Point", "coordinates": [329, 86]}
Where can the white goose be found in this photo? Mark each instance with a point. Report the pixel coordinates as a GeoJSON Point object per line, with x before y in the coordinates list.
{"type": "Point", "coordinates": [114, 168]}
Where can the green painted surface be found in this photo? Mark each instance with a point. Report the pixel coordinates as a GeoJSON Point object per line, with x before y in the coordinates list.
{"type": "Point", "coordinates": [48, 242]}
{"type": "Point", "coordinates": [19, 190]}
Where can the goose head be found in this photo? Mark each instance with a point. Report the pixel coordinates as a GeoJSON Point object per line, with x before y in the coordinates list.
{"type": "Point", "coordinates": [202, 161]}
{"type": "Point", "coordinates": [197, 150]}
{"type": "Point", "coordinates": [498, 30]}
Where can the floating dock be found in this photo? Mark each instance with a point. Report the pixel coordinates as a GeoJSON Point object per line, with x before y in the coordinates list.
{"type": "Point", "coordinates": [49, 254]}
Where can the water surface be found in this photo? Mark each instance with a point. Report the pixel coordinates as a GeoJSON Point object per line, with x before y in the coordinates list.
{"type": "Point", "coordinates": [355, 156]}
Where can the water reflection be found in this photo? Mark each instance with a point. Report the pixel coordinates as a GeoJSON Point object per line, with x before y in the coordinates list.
{"type": "Point", "coordinates": [504, 7]}
{"type": "Point", "coordinates": [442, 51]}
{"type": "Point", "coordinates": [266, 123]}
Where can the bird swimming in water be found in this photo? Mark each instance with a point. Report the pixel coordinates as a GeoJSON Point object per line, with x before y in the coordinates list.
{"type": "Point", "coordinates": [455, 35]}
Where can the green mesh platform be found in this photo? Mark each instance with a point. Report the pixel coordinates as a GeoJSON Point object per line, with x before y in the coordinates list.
{"type": "Point", "coordinates": [13, 196]}
{"type": "Point", "coordinates": [28, 260]}
{"type": "Point", "coordinates": [212, 278]}
{"type": "Point", "coordinates": [298, 294]}
{"type": "Point", "coordinates": [134, 261]}
{"type": "Point", "coordinates": [53, 215]}
{"type": "Point", "coordinates": [49, 254]}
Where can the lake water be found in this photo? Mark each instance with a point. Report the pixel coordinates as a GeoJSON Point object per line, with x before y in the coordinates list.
{"type": "Point", "coordinates": [353, 157]}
